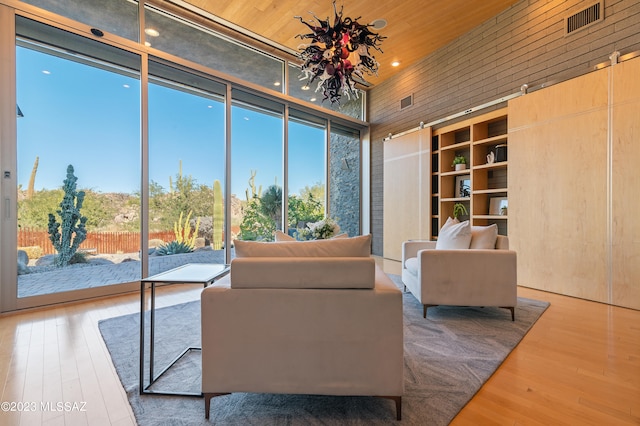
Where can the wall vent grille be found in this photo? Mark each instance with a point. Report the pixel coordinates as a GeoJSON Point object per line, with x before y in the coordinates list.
{"type": "Point", "coordinates": [406, 102]}
{"type": "Point", "coordinates": [584, 18]}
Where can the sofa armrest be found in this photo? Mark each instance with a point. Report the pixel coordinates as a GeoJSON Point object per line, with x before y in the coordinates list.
{"type": "Point", "coordinates": [410, 248]}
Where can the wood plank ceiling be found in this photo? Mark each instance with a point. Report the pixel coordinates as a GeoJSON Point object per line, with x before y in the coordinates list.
{"type": "Point", "coordinates": [415, 28]}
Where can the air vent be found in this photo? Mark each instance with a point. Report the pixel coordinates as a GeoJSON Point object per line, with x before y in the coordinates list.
{"type": "Point", "coordinates": [406, 102]}
{"type": "Point", "coordinates": [584, 18]}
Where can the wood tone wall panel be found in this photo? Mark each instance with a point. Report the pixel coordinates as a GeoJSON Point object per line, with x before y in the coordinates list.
{"type": "Point", "coordinates": [407, 191]}
{"type": "Point", "coordinates": [625, 183]}
{"type": "Point", "coordinates": [558, 187]}
{"type": "Point", "coordinates": [523, 44]}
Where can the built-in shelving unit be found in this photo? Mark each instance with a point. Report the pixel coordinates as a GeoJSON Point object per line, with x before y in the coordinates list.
{"type": "Point", "coordinates": [482, 186]}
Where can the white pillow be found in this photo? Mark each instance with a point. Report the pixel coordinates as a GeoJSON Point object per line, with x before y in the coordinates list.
{"type": "Point", "coordinates": [484, 237]}
{"type": "Point", "coordinates": [454, 235]}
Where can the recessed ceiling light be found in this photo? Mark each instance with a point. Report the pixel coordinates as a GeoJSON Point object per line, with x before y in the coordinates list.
{"type": "Point", "coordinates": [379, 24]}
{"type": "Point", "coordinates": [146, 43]}
{"type": "Point", "coordinates": [312, 99]}
{"type": "Point", "coordinates": [305, 87]}
{"type": "Point", "coordinates": [126, 86]}
{"type": "Point", "coordinates": [395, 63]}
{"type": "Point", "coordinates": [277, 83]}
{"type": "Point", "coordinates": [151, 32]}
{"type": "Point", "coordinates": [46, 72]}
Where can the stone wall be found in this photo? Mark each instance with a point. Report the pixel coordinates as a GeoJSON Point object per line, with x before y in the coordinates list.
{"type": "Point", "coordinates": [525, 44]}
{"type": "Point", "coordinates": [344, 182]}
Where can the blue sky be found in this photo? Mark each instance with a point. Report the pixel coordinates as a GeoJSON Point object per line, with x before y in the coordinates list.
{"type": "Point", "coordinates": [88, 117]}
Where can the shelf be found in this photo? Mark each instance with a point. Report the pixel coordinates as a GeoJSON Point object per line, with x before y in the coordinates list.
{"type": "Point", "coordinates": [491, 141]}
{"type": "Point", "coordinates": [489, 191]}
{"type": "Point", "coordinates": [456, 172]}
{"type": "Point", "coordinates": [474, 139]}
{"type": "Point", "coordinates": [456, 200]}
{"type": "Point", "coordinates": [456, 146]}
{"type": "Point", "coordinates": [487, 166]}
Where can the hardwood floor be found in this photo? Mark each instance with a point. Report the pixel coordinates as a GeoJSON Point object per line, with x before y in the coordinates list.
{"type": "Point", "coordinates": [578, 365]}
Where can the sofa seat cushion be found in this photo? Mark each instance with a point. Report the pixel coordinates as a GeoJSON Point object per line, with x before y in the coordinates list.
{"type": "Point", "coordinates": [411, 265]}
{"type": "Point", "coordinates": [339, 247]}
{"type": "Point", "coordinates": [303, 272]}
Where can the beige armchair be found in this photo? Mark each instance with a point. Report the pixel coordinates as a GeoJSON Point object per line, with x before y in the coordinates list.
{"type": "Point", "coordinates": [471, 277]}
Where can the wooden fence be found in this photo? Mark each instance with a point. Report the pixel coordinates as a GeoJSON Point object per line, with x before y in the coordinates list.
{"type": "Point", "coordinates": [96, 242]}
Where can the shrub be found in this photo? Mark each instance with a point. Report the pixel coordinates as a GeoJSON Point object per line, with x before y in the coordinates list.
{"type": "Point", "coordinates": [34, 252]}
{"type": "Point", "coordinates": [174, 247]}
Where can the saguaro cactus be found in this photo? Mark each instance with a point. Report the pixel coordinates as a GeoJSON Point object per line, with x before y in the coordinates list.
{"type": "Point", "coordinates": [255, 193]}
{"type": "Point", "coordinates": [67, 236]}
{"type": "Point", "coordinates": [32, 179]}
{"type": "Point", "coordinates": [218, 215]}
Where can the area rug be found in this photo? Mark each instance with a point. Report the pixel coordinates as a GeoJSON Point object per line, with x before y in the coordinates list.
{"type": "Point", "coordinates": [448, 357]}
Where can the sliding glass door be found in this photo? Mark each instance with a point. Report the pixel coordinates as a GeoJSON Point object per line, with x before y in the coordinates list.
{"type": "Point", "coordinates": [307, 171]}
{"type": "Point", "coordinates": [257, 141]}
{"type": "Point", "coordinates": [78, 161]}
{"type": "Point", "coordinates": [186, 168]}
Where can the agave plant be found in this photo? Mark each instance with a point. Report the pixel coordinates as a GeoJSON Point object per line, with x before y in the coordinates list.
{"type": "Point", "coordinates": [174, 247]}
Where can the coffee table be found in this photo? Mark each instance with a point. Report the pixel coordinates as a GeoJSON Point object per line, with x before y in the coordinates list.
{"type": "Point", "coordinates": [191, 273]}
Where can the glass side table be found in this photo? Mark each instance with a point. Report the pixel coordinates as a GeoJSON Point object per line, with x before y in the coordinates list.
{"type": "Point", "coordinates": [191, 273]}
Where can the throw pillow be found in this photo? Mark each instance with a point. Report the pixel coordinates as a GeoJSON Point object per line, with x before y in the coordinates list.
{"type": "Point", "coordinates": [340, 247]}
{"type": "Point", "coordinates": [281, 236]}
{"type": "Point", "coordinates": [484, 237]}
{"type": "Point", "coordinates": [454, 235]}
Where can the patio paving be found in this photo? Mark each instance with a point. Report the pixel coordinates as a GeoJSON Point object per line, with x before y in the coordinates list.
{"type": "Point", "coordinates": [81, 276]}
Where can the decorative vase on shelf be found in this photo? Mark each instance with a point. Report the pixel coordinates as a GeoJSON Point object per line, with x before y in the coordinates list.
{"type": "Point", "coordinates": [459, 163]}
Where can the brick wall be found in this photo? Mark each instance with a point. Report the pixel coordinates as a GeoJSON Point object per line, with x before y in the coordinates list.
{"type": "Point", "coordinates": [525, 44]}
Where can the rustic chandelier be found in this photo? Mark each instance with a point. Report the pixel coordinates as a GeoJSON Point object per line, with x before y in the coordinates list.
{"type": "Point", "coordinates": [337, 54]}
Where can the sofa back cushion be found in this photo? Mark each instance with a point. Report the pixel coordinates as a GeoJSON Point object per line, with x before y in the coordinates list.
{"type": "Point", "coordinates": [484, 237]}
{"type": "Point", "coordinates": [303, 272]}
{"type": "Point", "coordinates": [280, 236]}
{"type": "Point", "coordinates": [454, 235]}
{"type": "Point", "coordinates": [339, 247]}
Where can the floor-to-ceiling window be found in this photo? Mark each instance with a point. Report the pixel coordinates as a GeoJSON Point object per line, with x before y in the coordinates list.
{"type": "Point", "coordinates": [186, 168]}
{"type": "Point", "coordinates": [78, 149]}
{"type": "Point", "coordinates": [307, 171]}
{"type": "Point", "coordinates": [257, 133]}
{"type": "Point", "coordinates": [159, 154]}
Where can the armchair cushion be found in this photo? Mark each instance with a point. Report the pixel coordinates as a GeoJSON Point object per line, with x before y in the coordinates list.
{"type": "Point", "coordinates": [454, 235]}
{"type": "Point", "coordinates": [484, 237]}
{"type": "Point", "coordinates": [412, 265]}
